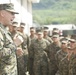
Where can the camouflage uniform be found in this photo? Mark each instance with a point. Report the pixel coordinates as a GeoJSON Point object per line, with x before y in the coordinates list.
{"type": "Point", "coordinates": [72, 65]}
{"type": "Point", "coordinates": [48, 38]}
{"type": "Point", "coordinates": [8, 63]}
{"type": "Point", "coordinates": [30, 59]}
{"type": "Point", "coordinates": [52, 50]}
{"type": "Point", "coordinates": [63, 66]}
{"type": "Point", "coordinates": [22, 60]}
{"type": "Point", "coordinates": [37, 49]}
{"type": "Point", "coordinates": [31, 39]}
{"type": "Point", "coordinates": [59, 56]}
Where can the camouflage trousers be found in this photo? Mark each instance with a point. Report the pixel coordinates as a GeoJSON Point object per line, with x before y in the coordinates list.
{"type": "Point", "coordinates": [30, 66]}
{"type": "Point", "coordinates": [52, 68]}
{"type": "Point", "coordinates": [40, 67]}
{"type": "Point", "coordinates": [22, 65]}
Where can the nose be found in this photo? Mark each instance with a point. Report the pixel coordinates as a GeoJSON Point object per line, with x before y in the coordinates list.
{"type": "Point", "coordinates": [13, 16]}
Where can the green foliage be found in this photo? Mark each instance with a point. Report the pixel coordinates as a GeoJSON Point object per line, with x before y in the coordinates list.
{"type": "Point", "coordinates": [55, 12]}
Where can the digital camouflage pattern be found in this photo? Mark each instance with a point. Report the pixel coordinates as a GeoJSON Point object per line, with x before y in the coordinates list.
{"type": "Point", "coordinates": [38, 52]}
{"type": "Point", "coordinates": [22, 60]}
{"type": "Point", "coordinates": [59, 57]}
{"type": "Point", "coordinates": [64, 66]}
{"type": "Point", "coordinates": [8, 63]}
{"type": "Point", "coordinates": [68, 67]}
{"type": "Point", "coordinates": [51, 51]}
{"type": "Point", "coordinates": [31, 60]}
{"type": "Point", "coordinates": [72, 65]}
{"type": "Point", "coordinates": [9, 7]}
{"type": "Point", "coordinates": [48, 38]}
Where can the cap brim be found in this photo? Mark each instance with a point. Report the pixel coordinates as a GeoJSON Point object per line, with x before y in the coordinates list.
{"type": "Point", "coordinates": [64, 42]}
{"type": "Point", "coordinates": [40, 33]}
{"type": "Point", "coordinates": [55, 36]}
{"type": "Point", "coordinates": [72, 40]}
{"type": "Point", "coordinates": [13, 11]}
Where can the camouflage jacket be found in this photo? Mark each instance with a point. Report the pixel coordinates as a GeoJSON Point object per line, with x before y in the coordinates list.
{"type": "Point", "coordinates": [8, 64]}
{"type": "Point", "coordinates": [72, 65]}
{"type": "Point", "coordinates": [60, 55]}
{"type": "Point", "coordinates": [48, 38]}
{"type": "Point", "coordinates": [64, 66]}
{"type": "Point", "coordinates": [38, 49]}
{"type": "Point", "coordinates": [51, 51]}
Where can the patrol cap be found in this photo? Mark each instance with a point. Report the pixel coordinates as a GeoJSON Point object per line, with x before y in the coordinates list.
{"type": "Point", "coordinates": [72, 40]}
{"type": "Point", "coordinates": [55, 31]}
{"type": "Point", "coordinates": [32, 29]}
{"type": "Point", "coordinates": [55, 36]}
{"type": "Point", "coordinates": [46, 30]}
{"type": "Point", "coordinates": [64, 41]}
{"type": "Point", "coordinates": [40, 32]}
{"type": "Point", "coordinates": [9, 7]}
{"type": "Point", "coordinates": [15, 24]}
{"type": "Point", "coordinates": [22, 24]}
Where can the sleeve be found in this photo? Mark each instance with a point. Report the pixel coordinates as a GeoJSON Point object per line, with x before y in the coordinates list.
{"type": "Point", "coordinates": [56, 58]}
{"type": "Point", "coordinates": [48, 44]}
{"type": "Point", "coordinates": [31, 50]}
{"type": "Point", "coordinates": [6, 47]}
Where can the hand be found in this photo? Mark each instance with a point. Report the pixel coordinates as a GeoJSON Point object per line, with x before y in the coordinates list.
{"type": "Point", "coordinates": [19, 52]}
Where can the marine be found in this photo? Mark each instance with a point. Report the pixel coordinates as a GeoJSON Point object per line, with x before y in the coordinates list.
{"type": "Point", "coordinates": [8, 61]}
{"type": "Point", "coordinates": [38, 52]}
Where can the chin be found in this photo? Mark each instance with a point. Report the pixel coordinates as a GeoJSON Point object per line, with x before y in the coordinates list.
{"type": "Point", "coordinates": [10, 24]}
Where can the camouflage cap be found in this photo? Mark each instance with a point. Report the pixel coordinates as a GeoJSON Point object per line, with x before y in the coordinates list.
{"type": "Point", "coordinates": [15, 24]}
{"type": "Point", "coordinates": [22, 24]}
{"type": "Point", "coordinates": [46, 30]}
{"type": "Point", "coordinates": [64, 41]}
{"type": "Point", "coordinates": [72, 40]}
{"type": "Point", "coordinates": [55, 31]}
{"type": "Point", "coordinates": [40, 33]}
{"type": "Point", "coordinates": [9, 7]}
{"type": "Point", "coordinates": [55, 36]}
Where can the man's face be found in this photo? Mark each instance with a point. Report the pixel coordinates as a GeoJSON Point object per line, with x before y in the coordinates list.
{"type": "Point", "coordinates": [55, 39]}
{"type": "Point", "coordinates": [40, 36]}
{"type": "Point", "coordinates": [21, 29]}
{"type": "Point", "coordinates": [45, 32]}
{"type": "Point", "coordinates": [12, 28]}
{"type": "Point", "coordinates": [32, 31]}
{"type": "Point", "coordinates": [72, 45]}
{"type": "Point", "coordinates": [64, 45]}
{"type": "Point", "coordinates": [8, 17]}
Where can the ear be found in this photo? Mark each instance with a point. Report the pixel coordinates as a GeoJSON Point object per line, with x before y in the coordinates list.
{"type": "Point", "coordinates": [2, 13]}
